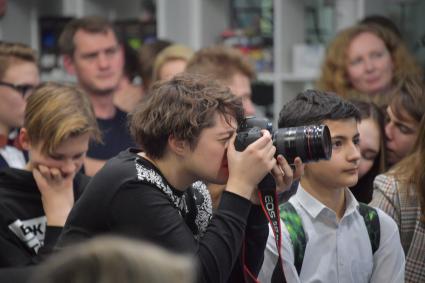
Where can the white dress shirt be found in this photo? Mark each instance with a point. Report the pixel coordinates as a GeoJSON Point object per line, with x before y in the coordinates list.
{"type": "Point", "coordinates": [13, 156]}
{"type": "Point", "coordinates": [337, 251]}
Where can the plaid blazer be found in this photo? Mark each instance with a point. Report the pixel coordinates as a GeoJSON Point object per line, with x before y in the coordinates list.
{"type": "Point", "coordinates": [404, 208]}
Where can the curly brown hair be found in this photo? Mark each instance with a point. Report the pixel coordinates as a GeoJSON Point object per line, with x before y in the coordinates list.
{"type": "Point", "coordinates": [334, 75]}
{"type": "Point", "coordinates": [181, 107]}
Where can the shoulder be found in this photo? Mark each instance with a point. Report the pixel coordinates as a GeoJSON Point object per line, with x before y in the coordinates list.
{"type": "Point", "coordinates": [385, 193]}
{"type": "Point", "coordinates": [117, 171]}
{"type": "Point", "coordinates": [388, 229]}
{"type": "Point", "coordinates": [385, 183]}
{"type": "Point", "coordinates": [120, 116]}
{"type": "Point", "coordinates": [122, 164]}
{"type": "Point", "coordinates": [80, 182]}
{"type": "Point", "coordinates": [16, 181]}
{"type": "Point", "coordinates": [387, 225]}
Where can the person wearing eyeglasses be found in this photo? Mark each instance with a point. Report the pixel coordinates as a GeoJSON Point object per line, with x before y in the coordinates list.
{"type": "Point", "coordinates": [19, 75]}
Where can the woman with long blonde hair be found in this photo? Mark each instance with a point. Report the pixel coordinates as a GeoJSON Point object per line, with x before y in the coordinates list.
{"type": "Point", "coordinates": [401, 194]}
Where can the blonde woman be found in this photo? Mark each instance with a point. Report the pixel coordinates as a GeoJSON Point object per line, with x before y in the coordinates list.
{"type": "Point", "coordinates": [401, 194]}
{"type": "Point", "coordinates": [171, 61]}
{"type": "Point", "coordinates": [35, 201]}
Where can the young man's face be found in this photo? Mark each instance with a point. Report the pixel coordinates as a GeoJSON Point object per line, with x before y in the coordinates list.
{"type": "Point", "coordinates": [12, 102]}
{"type": "Point", "coordinates": [342, 169]}
{"type": "Point", "coordinates": [68, 156]}
{"type": "Point", "coordinates": [208, 161]}
{"type": "Point", "coordinates": [401, 132]}
{"type": "Point", "coordinates": [97, 61]}
{"type": "Point", "coordinates": [240, 86]}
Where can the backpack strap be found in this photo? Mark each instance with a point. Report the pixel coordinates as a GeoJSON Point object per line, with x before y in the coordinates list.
{"type": "Point", "coordinates": [371, 219]}
{"type": "Point", "coordinates": [294, 225]}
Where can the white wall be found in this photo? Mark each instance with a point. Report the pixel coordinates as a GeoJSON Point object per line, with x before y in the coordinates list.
{"type": "Point", "coordinates": [14, 25]}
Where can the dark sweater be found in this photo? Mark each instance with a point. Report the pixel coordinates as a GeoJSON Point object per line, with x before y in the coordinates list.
{"type": "Point", "coordinates": [130, 197]}
{"type": "Point", "coordinates": [115, 137]}
{"type": "Point", "coordinates": [24, 237]}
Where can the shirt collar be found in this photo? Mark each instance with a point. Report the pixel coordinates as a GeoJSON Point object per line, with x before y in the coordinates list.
{"type": "Point", "coordinates": [314, 207]}
{"type": "Point", "coordinates": [351, 204]}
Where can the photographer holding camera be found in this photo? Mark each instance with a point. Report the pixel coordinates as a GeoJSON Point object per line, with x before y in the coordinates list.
{"type": "Point", "coordinates": [186, 130]}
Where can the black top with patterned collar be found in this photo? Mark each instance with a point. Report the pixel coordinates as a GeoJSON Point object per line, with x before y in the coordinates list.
{"type": "Point", "coordinates": [130, 197]}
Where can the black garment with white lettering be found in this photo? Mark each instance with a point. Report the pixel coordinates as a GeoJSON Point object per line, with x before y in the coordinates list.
{"type": "Point", "coordinates": [130, 197]}
{"type": "Point", "coordinates": [24, 237]}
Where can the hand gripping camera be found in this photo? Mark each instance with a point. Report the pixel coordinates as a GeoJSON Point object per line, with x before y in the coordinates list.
{"type": "Point", "coordinates": [310, 143]}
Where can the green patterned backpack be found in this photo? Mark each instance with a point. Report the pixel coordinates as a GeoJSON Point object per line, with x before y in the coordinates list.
{"type": "Point", "coordinates": [294, 225]}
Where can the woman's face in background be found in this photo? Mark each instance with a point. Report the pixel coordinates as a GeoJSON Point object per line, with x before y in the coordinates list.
{"type": "Point", "coordinates": [369, 64]}
{"type": "Point", "coordinates": [171, 68]}
{"type": "Point", "coordinates": [370, 143]}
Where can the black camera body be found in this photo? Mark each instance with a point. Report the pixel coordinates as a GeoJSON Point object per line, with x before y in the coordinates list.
{"type": "Point", "coordinates": [310, 143]}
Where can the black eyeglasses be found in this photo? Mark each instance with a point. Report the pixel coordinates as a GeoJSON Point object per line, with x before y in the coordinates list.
{"type": "Point", "coordinates": [23, 89]}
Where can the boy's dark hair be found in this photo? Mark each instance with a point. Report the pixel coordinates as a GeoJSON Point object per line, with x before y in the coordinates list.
{"type": "Point", "coordinates": [181, 107]}
{"type": "Point", "coordinates": [312, 107]}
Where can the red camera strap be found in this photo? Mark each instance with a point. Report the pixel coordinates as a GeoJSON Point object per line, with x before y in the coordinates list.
{"type": "Point", "coordinates": [268, 200]}
{"type": "Point", "coordinates": [269, 203]}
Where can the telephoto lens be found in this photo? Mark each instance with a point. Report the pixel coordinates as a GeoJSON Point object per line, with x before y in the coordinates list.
{"type": "Point", "coordinates": [310, 143]}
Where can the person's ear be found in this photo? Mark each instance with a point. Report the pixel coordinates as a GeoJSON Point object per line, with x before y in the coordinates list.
{"type": "Point", "coordinates": [178, 146]}
{"type": "Point", "coordinates": [24, 139]}
{"type": "Point", "coordinates": [68, 64]}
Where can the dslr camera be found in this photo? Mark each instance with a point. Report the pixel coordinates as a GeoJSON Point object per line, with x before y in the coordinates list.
{"type": "Point", "coordinates": [310, 143]}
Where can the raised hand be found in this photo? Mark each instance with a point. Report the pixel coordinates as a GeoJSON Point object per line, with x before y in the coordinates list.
{"type": "Point", "coordinates": [57, 193]}
{"type": "Point", "coordinates": [247, 168]}
{"type": "Point", "coordinates": [284, 174]}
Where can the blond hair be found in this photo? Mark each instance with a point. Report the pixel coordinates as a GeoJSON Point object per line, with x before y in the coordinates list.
{"type": "Point", "coordinates": [408, 96]}
{"type": "Point", "coordinates": [56, 112]}
{"type": "Point", "coordinates": [12, 52]}
{"type": "Point", "coordinates": [410, 171]}
{"type": "Point", "coordinates": [170, 53]}
{"type": "Point", "coordinates": [110, 259]}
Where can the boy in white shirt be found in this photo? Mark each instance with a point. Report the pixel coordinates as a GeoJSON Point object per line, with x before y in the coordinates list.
{"type": "Point", "coordinates": [338, 245]}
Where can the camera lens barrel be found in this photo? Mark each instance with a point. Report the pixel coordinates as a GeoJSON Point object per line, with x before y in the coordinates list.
{"type": "Point", "coordinates": [310, 143]}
